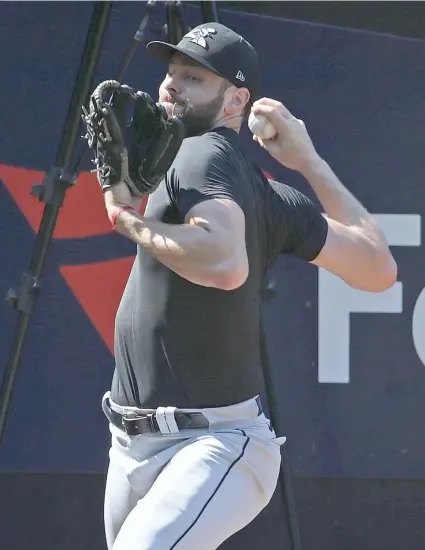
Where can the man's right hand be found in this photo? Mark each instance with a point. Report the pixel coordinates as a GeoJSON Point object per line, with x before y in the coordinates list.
{"type": "Point", "coordinates": [292, 145]}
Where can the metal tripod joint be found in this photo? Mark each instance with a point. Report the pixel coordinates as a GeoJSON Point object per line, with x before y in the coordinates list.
{"type": "Point", "coordinates": [25, 299]}
{"type": "Point", "coordinates": [52, 189]}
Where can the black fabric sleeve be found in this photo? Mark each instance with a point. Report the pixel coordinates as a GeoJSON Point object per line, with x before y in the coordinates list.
{"type": "Point", "coordinates": [300, 228]}
{"type": "Point", "coordinates": [205, 169]}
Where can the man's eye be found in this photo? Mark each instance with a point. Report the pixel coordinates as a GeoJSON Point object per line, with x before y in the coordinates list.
{"type": "Point", "coordinates": [193, 78]}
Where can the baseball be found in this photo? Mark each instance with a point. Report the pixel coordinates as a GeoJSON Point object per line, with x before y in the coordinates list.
{"type": "Point", "coordinates": [261, 127]}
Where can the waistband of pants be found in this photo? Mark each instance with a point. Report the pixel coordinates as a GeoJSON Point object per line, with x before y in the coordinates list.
{"type": "Point", "coordinates": [172, 420]}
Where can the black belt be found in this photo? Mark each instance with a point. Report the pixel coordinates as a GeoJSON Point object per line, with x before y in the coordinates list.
{"type": "Point", "coordinates": [143, 423]}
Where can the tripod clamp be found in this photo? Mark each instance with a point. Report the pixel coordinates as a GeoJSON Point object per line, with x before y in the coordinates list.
{"type": "Point", "coordinates": [46, 190]}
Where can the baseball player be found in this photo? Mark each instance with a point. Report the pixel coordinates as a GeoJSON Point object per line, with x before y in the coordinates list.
{"type": "Point", "coordinates": [193, 457]}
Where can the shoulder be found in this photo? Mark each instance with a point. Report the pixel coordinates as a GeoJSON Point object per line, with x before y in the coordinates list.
{"type": "Point", "coordinates": [206, 168]}
{"type": "Point", "coordinates": [295, 221]}
{"type": "Point", "coordinates": [290, 201]}
{"type": "Point", "coordinates": [214, 146]}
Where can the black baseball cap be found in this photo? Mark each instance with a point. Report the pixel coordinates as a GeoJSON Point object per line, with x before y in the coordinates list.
{"type": "Point", "coordinates": [218, 49]}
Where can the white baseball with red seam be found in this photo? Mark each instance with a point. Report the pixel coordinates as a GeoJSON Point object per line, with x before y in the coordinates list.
{"type": "Point", "coordinates": [261, 127]}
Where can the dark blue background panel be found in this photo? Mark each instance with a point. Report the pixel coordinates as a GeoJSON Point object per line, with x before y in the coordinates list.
{"type": "Point", "coordinates": [361, 97]}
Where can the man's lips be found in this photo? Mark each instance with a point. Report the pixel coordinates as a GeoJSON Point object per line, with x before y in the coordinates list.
{"type": "Point", "coordinates": [172, 107]}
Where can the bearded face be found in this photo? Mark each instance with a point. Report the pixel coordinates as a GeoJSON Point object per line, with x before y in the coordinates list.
{"type": "Point", "coordinates": [193, 94]}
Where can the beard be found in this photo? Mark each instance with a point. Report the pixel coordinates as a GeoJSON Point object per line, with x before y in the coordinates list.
{"type": "Point", "coordinates": [198, 119]}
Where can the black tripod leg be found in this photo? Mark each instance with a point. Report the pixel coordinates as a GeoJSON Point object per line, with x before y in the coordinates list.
{"type": "Point", "coordinates": [84, 82]}
{"type": "Point", "coordinates": [209, 11]}
{"type": "Point", "coordinates": [175, 28]}
{"type": "Point", "coordinates": [52, 192]}
{"type": "Point", "coordinates": [138, 38]}
{"type": "Point", "coordinates": [285, 478]}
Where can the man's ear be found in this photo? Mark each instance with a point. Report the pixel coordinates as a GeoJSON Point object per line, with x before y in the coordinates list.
{"type": "Point", "coordinates": [240, 97]}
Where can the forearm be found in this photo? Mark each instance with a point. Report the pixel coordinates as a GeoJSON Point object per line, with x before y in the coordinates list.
{"type": "Point", "coordinates": [189, 250]}
{"type": "Point", "coordinates": [338, 203]}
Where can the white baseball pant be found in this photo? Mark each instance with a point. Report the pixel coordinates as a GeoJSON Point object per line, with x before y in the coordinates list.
{"type": "Point", "coordinates": [194, 489]}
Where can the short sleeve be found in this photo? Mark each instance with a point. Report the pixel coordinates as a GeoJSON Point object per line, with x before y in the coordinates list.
{"type": "Point", "coordinates": [298, 226]}
{"type": "Point", "coordinates": [205, 169]}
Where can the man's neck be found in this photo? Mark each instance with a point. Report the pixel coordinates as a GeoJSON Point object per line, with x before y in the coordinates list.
{"type": "Point", "coordinates": [232, 122]}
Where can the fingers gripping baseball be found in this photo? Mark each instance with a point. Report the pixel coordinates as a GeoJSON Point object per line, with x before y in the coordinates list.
{"type": "Point", "coordinates": [291, 144]}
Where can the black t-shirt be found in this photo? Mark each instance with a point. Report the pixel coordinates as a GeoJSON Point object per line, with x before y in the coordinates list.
{"type": "Point", "coordinates": [185, 345]}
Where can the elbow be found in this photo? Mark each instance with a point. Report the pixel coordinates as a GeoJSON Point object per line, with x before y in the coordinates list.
{"type": "Point", "coordinates": [388, 274]}
{"type": "Point", "coordinates": [382, 277]}
{"type": "Point", "coordinates": [230, 277]}
{"type": "Point", "coordinates": [232, 282]}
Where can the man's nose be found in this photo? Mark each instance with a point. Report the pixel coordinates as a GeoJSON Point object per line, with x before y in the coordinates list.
{"type": "Point", "coordinates": [171, 85]}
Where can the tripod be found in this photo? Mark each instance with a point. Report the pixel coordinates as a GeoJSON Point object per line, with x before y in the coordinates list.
{"type": "Point", "coordinates": [64, 172]}
{"type": "Point", "coordinates": [63, 175]}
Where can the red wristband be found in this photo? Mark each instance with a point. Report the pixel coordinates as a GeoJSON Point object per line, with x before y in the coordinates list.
{"type": "Point", "coordinates": [113, 213]}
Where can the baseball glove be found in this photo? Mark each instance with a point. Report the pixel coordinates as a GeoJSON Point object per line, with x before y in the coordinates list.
{"type": "Point", "coordinates": [137, 152]}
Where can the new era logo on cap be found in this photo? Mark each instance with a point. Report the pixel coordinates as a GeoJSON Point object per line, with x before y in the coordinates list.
{"type": "Point", "coordinates": [240, 76]}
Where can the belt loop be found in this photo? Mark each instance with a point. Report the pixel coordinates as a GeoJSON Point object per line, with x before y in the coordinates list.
{"type": "Point", "coordinates": [166, 420]}
{"type": "Point", "coordinates": [171, 420]}
{"type": "Point", "coordinates": [162, 423]}
{"type": "Point", "coordinates": [105, 405]}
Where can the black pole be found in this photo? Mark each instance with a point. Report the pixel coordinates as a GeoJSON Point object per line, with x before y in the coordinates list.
{"type": "Point", "coordinates": [138, 38]}
{"type": "Point", "coordinates": [83, 83]}
{"type": "Point", "coordinates": [209, 12]}
{"type": "Point", "coordinates": [175, 28]}
{"type": "Point", "coordinates": [285, 478]}
{"type": "Point", "coordinates": [52, 192]}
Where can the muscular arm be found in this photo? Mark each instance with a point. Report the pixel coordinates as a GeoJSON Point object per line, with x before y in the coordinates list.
{"type": "Point", "coordinates": [208, 249]}
{"type": "Point", "coordinates": [355, 249]}
{"type": "Point", "coordinates": [206, 245]}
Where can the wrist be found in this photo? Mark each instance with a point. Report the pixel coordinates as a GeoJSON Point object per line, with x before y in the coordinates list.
{"type": "Point", "coordinates": [312, 166]}
{"type": "Point", "coordinates": [118, 194]}
{"type": "Point", "coordinates": [115, 210]}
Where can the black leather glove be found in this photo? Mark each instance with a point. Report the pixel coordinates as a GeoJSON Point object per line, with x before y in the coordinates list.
{"type": "Point", "coordinates": [138, 152]}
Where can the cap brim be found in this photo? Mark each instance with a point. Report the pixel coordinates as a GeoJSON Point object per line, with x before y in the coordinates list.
{"type": "Point", "coordinates": [162, 51]}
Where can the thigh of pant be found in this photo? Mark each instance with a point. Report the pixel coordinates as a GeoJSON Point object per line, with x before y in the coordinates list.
{"type": "Point", "coordinates": [133, 467]}
{"type": "Point", "coordinates": [120, 499]}
{"type": "Point", "coordinates": [211, 488]}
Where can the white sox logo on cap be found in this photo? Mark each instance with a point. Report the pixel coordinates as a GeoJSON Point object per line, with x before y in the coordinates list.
{"type": "Point", "coordinates": [198, 36]}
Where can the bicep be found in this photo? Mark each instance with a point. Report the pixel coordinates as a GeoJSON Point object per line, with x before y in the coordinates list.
{"type": "Point", "coordinates": [350, 254]}
{"type": "Point", "coordinates": [339, 247]}
{"type": "Point", "coordinates": [301, 229]}
{"type": "Point", "coordinates": [224, 243]}
{"type": "Point", "coordinates": [223, 219]}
